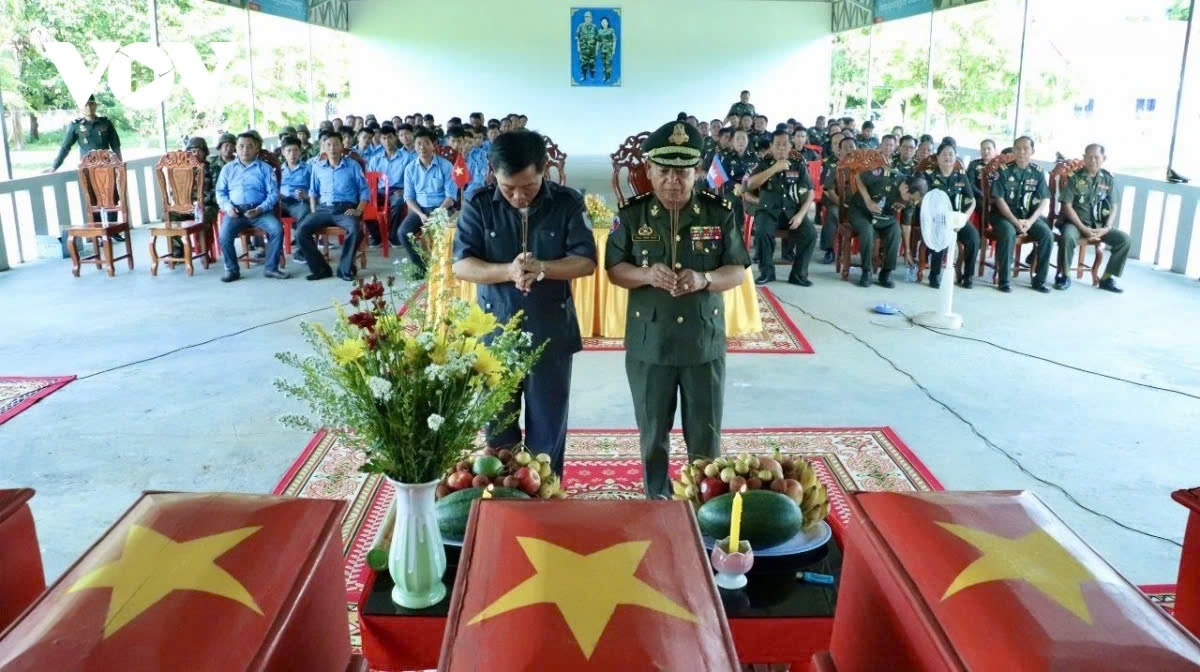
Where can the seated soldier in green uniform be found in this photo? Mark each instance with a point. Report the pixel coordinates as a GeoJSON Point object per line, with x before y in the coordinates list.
{"type": "Point", "coordinates": [1020, 203]}
{"type": "Point", "coordinates": [946, 177]}
{"type": "Point", "coordinates": [1089, 211]}
{"type": "Point", "coordinates": [987, 152]}
{"type": "Point", "coordinates": [887, 147]}
{"type": "Point", "coordinates": [739, 162]}
{"type": "Point", "coordinates": [905, 160]}
{"type": "Point", "coordinates": [882, 195]}
{"type": "Point", "coordinates": [785, 193]}
{"type": "Point", "coordinates": [829, 197]}
{"type": "Point", "coordinates": [675, 251]}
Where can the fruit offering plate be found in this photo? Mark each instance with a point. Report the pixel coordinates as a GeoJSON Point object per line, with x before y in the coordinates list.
{"type": "Point", "coordinates": [804, 541]}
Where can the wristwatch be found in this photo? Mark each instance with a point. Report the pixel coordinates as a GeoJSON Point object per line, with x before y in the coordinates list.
{"type": "Point", "coordinates": [707, 279]}
{"type": "Point", "coordinates": [541, 271]}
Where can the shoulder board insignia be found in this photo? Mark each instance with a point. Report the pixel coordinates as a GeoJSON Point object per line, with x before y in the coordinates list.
{"type": "Point", "coordinates": [1035, 167]}
{"type": "Point", "coordinates": [709, 196]}
{"type": "Point", "coordinates": [639, 198]}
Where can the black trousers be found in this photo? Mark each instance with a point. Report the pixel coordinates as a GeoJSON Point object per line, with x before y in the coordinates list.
{"type": "Point", "coordinates": [969, 237]}
{"type": "Point", "coordinates": [546, 392]}
{"type": "Point", "coordinates": [803, 237]}
{"type": "Point", "coordinates": [325, 216]}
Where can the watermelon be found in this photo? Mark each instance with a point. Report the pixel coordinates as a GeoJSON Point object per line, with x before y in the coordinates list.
{"type": "Point", "coordinates": [453, 509]}
{"type": "Point", "coordinates": [768, 517]}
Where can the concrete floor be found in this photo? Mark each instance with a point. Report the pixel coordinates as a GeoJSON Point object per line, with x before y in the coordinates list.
{"type": "Point", "coordinates": [204, 418]}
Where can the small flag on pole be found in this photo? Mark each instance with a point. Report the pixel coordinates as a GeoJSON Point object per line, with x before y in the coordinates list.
{"type": "Point", "coordinates": [462, 174]}
{"type": "Point", "coordinates": [717, 176]}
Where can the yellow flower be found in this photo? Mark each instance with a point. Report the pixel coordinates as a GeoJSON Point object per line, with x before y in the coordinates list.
{"type": "Point", "coordinates": [348, 351]}
{"type": "Point", "coordinates": [488, 366]}
{"type": "Point", "coordinates": [388, 324]}
{"type": "Point", "coordinates": [477, 322]}
{"type": "Point", "coordinates": [440, 353]}
{"type": "Point", "coordinates": [412, 349]}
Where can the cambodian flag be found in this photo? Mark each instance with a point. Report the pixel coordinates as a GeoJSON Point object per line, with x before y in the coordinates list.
{"type": "Point", "coordinates": [716, 174]}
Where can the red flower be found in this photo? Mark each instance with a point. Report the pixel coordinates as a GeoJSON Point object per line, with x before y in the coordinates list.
{"type": "Point", "coordinates": [372, 290]}
{"type": "Point", "coordinates": [363, 320]}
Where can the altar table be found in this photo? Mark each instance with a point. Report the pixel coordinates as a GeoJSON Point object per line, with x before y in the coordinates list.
{"type": "Point", "coordinates": [599, 304]}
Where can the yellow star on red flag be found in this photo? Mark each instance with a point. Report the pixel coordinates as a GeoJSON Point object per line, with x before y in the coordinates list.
{"type": "Point", "coordinates": [585, 588]}
{"type": "Point", "coordinates": [153, 565]}
{"type": "Point", "coordinates": [1036, 558]}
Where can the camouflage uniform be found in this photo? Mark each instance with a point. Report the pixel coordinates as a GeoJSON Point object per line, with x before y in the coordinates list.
{"type": "Point", "coordinates": [585, 39]}
{"type": "Point", "coordinates": [606, 47]}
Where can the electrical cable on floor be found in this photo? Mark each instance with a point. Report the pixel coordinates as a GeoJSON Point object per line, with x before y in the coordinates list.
{"type": "Point", "coordinates": [211, 340]}
{"type": "Point", "coordinates": [975, 430]}
{"type": "Point", "coordinates": [1047, 360]}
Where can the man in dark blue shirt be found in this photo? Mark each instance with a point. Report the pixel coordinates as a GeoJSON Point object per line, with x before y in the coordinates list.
{"type": "Point", "coordinates": [522, 242]}
{"type": "Point", "coordinates": [337, 197]}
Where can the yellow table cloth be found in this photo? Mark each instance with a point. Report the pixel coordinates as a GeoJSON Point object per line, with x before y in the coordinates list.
{"type": "Point", "coordinates": [599, 304]}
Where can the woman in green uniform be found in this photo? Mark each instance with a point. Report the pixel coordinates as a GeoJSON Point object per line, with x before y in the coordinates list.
{"type": "Point", "coordinates": [951, 179]}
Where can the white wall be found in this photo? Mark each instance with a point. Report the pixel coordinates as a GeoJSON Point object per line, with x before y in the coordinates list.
{"type": "Point", "coordinates": [452, 57]}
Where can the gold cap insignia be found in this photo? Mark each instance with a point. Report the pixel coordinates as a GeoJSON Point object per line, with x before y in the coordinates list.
{"type": "Point", "coordinates": [679, 135]}
{"type": "Point", "coordinates": [696, 208]}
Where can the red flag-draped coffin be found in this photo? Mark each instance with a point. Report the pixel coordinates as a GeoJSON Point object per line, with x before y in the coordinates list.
{"type": "Point", "coordinates": [1187, 601]}
{"type": "Point", "coordinates": [21, 578]}
{"type": "Point", "coordinates": [585, 585]}
{"type": "Point", "coordinates": [197, 582]}
{"type": "Point", "coordinates": [989, 581]}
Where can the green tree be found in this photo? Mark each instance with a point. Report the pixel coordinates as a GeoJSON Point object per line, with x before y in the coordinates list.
{"type": "Point", "coordinates": [1180, 10]}
{"type": "Point", "coordinates": [848, 74]}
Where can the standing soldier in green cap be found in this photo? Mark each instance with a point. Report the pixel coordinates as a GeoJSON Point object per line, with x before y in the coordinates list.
{"type": "Point", "coordinates": [743, 107]}
{"type": "Point", "coordinates": [585, 43]}
{"type": "Point", "coordinates": [606, 46]}
{"type": "Point", "coordinates": [91, 132]}
{"type": "Point", "coordinates": [676, 251]}
{"type": "Point", "coordinates": [1089, 211]}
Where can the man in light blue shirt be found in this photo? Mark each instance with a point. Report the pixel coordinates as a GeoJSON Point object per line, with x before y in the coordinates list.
{"type": "Point", "coordinates": [294, 179]}
{"type": "Point", "coordinates": [338, 194]}
{"type": "Point", "coordinates": [428, 185]}
{"type": "Point", "coordinates": [391, 162]}
{"type": "Point", "coordinates": [477, 162]}
{"type": "Point", "coordinates": [247, 193]}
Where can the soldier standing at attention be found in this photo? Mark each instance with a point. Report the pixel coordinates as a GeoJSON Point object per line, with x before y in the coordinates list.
{"type": "Point", "coordinates": [585, 43]}
{"type": "Point", "coordinates": [90, 132]}
{"type": "Point", "coordinates": [743, 107]}
{"type": "Point", "coordinates": [785, 193]}
{"type": "Point", "coordinates": [1089, 211]}
{"type": "Point", "coordinates": [1022, 200]}
{"type": "Point", "coordinates": [676, 252]}
{"type": "Point", "coordinates": [606, 47]}
{"type": "Point", "coordinates": [881, 195]}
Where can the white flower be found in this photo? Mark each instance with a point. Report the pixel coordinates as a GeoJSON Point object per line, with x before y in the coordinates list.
{"type": "Point", "coordinates": [435, 421]}
{"type": "Point", "coordinates": [380, 389]}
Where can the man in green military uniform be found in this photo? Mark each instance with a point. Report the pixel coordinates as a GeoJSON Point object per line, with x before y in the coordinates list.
{"type": "Point", "coordinates": [1021, 200]}
{"type": "Point", "coordinates": [881, 195]}
{"type": "Point", "coordinates": [738, 162]}
{"type": "Point", "coordinates": [89, 132]}
{"type": "Point", "coordinates": [785, 193]}
{"type": "Point", "coordinates": [905, 160]}
{"type": "Point", "coordinates": [606, 47]}
{"type": "Point", "coordinates": [585, 44]}
{"type": "Point", "coordinates": [829, 197]}
{"type": "Point", "coordinates": [1089, 211]}
{"type": "Point", "coordinates": [226, 144]}
{"type": "Point", "coordinates": [675, 251]}
{"type": "Point", "coordinates": [743, 107]}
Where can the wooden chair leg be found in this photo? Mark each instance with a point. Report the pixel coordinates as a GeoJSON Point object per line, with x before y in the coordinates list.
{"type": "Point", "coordinates": [74, 252]}
{"type": "Point", "coordinates": [187, 255]}
{"type": "Point", "coordinates": [202, 238]}
{"type": "Point", "coordinates": [154, 254]}
{"type": "Point", "coordinates": [109, 266]}
{"type": "Point", "coordinates": [1096, 261]}
{"type": "Point", "coordinates": [129, 248]}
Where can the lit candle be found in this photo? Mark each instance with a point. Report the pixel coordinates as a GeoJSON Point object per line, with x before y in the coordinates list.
{"type": "Point", "coordinates": [735, 522]}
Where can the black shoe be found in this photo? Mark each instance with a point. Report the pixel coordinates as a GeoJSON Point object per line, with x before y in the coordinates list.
{"type": "Point", "coordinates": [119, 237]}
{"type": "Point", "coordinates": [828, 258]}
{"type": "Point", "coordinates": [1110, 285]}
{"type": "Point", "coordinates": [967, 282]}
{"type": "Point", "coordinates": [299, 258]}
{"type": "Point", "coordinates": [884, 281]}
{"type": "Point", "coordinates": [230, 277]}
{"type": "Point", "coordinates": [395, 242]}
{"type": "Point", "coordinates": [803, 282]}
{"type": "Point", "coordinates": [1040, 287]}
{"type": "Point", "coordinates": [348, 277]}
{"type": "Point", "coordinates": [1062, 282]}
{"type": "Point", "coordinates": [276, 275]}
{"type": "Point", "coordinates": [864, 280]}
{"type": "Point", "coordinates": [934, 282]}
{"type": "Point", "coordinates": [319, 276]}
{"type": "Point", "coordinates": [1005, 287]}
{"type": "Point", "coordinates": [259, 255]}
{"type": "Point", "coordinates": [177, 251]}
{"type": "Point", "coordinates": [375, 242]}
{"type": "Point", "coordinates": [789, 258]}
{"type": "Point", "coordinates": [1029, 257]}
{"type": "Point", "coordinates": [763, 280]}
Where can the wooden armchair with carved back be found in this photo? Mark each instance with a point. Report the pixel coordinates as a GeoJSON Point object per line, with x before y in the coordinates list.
{"type": "Point", "coordinates": [556, 162]}
{"type": "Point", "coordinates": [849, 168]}
{"type": "Point", "coordinates": [629, 158]}
{"type": "Point", "coordinates": [1058, 177]}
{"type": "Point", "coordinates": [180, 176]}
{"type": "Point", "coordinates": [103, 181]}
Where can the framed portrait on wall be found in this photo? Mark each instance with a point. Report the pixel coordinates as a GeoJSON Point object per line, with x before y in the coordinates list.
{"type": "Point", "coordinates": [595, 46]}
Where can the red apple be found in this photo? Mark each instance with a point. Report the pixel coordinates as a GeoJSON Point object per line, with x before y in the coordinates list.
{"type": "Point", "coordinates": [711, 487]}
{"type": "Point", "coordinates": [480, 481]}
{"type": "Point", "coordinates": [459, 480]}
{"type": "Point", "coordinates": [737, 483]}
{"type": "Point", "coordinates": [779, 485]}
{"type": "Point", "coordinates": [794, 489]}
{"type": "Point", "coordinates": [529, 479]}
{"type": "Point", "coordinates": [511, 482]}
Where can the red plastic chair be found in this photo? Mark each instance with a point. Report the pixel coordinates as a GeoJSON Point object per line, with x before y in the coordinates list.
{"type": "Point", "coordinates": [374, 212]}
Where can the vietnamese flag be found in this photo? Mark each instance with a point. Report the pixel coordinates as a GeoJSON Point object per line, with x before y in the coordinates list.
{"type": "Point", "coordinates": [462, 174]}
{"type": "Point", "coordinates": [999, 578]}
{"type": "Point", "coordinates": [585, 585]}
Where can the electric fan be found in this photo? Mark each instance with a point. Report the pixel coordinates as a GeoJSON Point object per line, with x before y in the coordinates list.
{"type": "Point", "coordinates": [940, 223]}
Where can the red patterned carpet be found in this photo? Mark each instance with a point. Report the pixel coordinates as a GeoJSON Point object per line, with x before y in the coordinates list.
{"type": "Point", "coordinates": [606, 464]}
{"type": "Point", "coordinates": [18, 393]}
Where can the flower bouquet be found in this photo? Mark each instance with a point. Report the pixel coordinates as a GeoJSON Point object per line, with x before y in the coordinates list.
{"type": "Point", "coordinates": [597, 210]}
{"type": "Point", "coordinates": [413, 390]}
